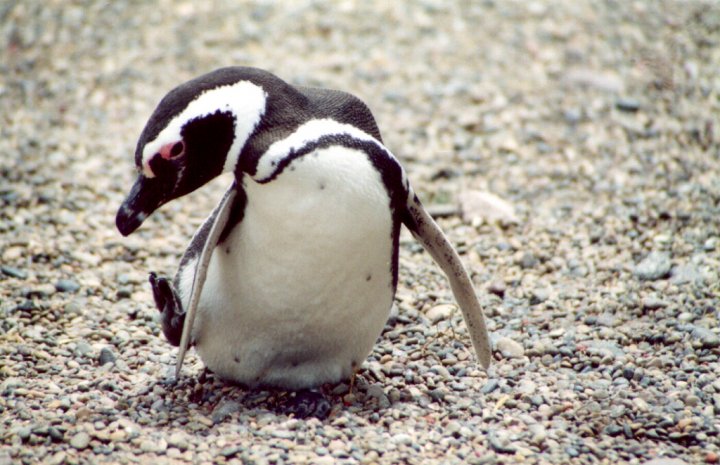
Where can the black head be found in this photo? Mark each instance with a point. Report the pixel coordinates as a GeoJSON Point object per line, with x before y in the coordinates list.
{"type": "Point", "coordinates": [196, 132]}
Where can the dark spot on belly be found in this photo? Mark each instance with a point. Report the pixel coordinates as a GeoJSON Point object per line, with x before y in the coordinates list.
{"type": "Point", "coordinates": [354, 365]}
{"type": "Point", "coordinates": [236, 359]}
{"type": "Point", "coordinates": [295, 363]}
{"type": "Point", "coordinates": [368, 277]}
{"type": "Point", "coordinates": [321, 185]}
{"type": "Point", "coordinates": [227, 250]}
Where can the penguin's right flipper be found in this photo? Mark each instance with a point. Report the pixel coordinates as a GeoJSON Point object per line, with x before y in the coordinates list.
{"type": "Point", "coordinates": [172, 315]}
{"type": "Point", "coordinates": [220, 219]}
{"type": "Point", "coordinates": [429, 234]}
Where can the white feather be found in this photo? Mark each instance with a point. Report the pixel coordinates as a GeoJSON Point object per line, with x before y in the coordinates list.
{"type": "Point", "coordinates": [245, 100]}
{"type": "Point", "coordinates": [308, 132]}
{"type": "Point", "coordinates": [298, 293]}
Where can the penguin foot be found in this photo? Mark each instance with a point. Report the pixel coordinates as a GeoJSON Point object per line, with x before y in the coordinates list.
{"type": "Point", "coordinates": [172, 315]}
{"type": "Point", "coordinates": [308, 403]}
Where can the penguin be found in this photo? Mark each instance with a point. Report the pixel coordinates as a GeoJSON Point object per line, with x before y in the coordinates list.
{"type": "Point", "coordinates": [290, 280]}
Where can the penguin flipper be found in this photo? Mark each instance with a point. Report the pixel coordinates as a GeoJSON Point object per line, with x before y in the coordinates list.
{"type": "Point", "coordinates": [172, 315]}
{"type": "Point", "coordinates": [429, 234]}
{"type": "Point", "coordinates": [218, 221]}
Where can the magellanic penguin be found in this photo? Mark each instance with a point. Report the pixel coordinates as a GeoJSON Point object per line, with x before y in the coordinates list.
{"type": "Point", "coordinates": [290, 280]}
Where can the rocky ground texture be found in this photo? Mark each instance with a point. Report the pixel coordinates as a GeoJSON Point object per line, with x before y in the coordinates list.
{"type": "Point", "coordinates": [593, 125]}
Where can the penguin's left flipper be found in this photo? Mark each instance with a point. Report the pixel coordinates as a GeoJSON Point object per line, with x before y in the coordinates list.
{"type": "Point", "coordinates": [172, 315]}
{"type": "Point", "coordinates": [429, 234]}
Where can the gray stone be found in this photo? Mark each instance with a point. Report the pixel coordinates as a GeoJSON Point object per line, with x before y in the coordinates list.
{"type": "Point", "coordinates": [13, 272]}
{"type": "Point", "coordinates": [500, 443]}
{"type": "Point", "coordinates": [607, 82]}
{"type": "Point", "coordinates": [497, 287]}
{"type": "Point", "coordinates": [402, 438]}
{"type": "Point", "coordinates": [155, 446]}
{"type": "Point", "coordinates": [653, 267]}
{"type": "Point", "coordinates": [684, 274]}
{"type": "Point", "coordinates": [666, 461]}
{"type": "Point", "coordinates": [603, 348]}
{"type": "Point", "coordinates": [440, 312]}
{"type": "Point", "coordinates": [43, 291]}
{"type": "Point", "coordinates": [653, 303]}
{"type": "Point", "coordinates": [83, 348]}
{"type": "Point", "coordinates": [178, 440]}
{"type": "Point", "coordinates": [627, 104]}
{"type": "Point", "coordinates": [490, 386]}
{"type": "Point", "coordinates": [55, 434]}
{"type": "Point", "coordinates": [67, 285]}
{"type": "Point", "coordinates": [231, 451]}
{"type": "Point", "coordinates": [58, 458]}
{"type": "Point", "coordinates": [526, 387]}
{"type": "Point", "coordinates": [376, 393]}
{"type": "Point", "coordinates": [23, 432]}
{"type": "Point", "coordinates": [106, 356]}
{"type": "Point", "coordinates": [528, 260]}
{"type": "Point", "coordinates": [509, 348]}
{"type": "Point", "coordinates": [705, 338]}
{"type": "Point", "coordinates": [538, 296]}
{"type": "Point", "coordinates": [80, 440]}
{"type": "Point", "coordinates": [224, 409]}
{"type": "Point", "coordinates": [477, 205]}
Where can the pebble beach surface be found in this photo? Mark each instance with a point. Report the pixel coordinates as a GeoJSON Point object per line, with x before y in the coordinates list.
{"type": "Point", "coordinates": [570, 150]}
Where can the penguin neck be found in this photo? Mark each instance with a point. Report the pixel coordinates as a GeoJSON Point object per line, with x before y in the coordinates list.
{"type": "Point", "coordinates": [286, 109]}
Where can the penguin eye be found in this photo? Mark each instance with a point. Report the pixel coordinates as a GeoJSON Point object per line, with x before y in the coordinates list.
{"type": "Point", "coordinates": [177, 149]}
{"type": "Point", "coordinates": [172, 151]}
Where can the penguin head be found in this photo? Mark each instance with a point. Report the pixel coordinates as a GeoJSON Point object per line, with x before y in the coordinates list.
{"type": "Point", "coordinates": [197, 132]}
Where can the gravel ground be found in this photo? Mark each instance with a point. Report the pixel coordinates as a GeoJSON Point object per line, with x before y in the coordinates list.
{"type": "Point", "coordinates": [593, 124]}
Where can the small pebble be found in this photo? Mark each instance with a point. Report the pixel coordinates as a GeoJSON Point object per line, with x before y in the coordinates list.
{"type": "Point", "coordinates": [490, 386]}
{"type": "Point", "coordinates": [528, 261]}
{"type": "Point", "coordinates": [497, 287]}
{"type": "Point", "coordinates": [224, 409]}
{"type": "Point", "coordinates": [24, 433]}
{"type": "Point", "coordinates": [509, 348]}
{"type": "Point", "coordinates": [627, 104]}
{"type": "Point", "coordinates": [13, 272]}
{"type": "Point", "coordinates": [440, 312]}
{"type": "Point", "coordinates": [705, 338]}
{"type": "Point", "coordinates": [653, 267]}
{"type": "Point", "coordinates": [231, 451]}
{"type": "Point", "coordinates": [67, 285]}
{"type": "Point", "coordinates": [80, 440]}
{"type": "Point", "coordinates": [538, 296]}
{"type": "Point", "coordinates": [106, 356]}
{"type": "Point", "coordinates": [376, 393]}
{"type": "Point", "coordinates": [178, 440]}
{"type": "Point", "coordinates": [653, 303]}
{"type": "Point", "coordinates": [500, 445]}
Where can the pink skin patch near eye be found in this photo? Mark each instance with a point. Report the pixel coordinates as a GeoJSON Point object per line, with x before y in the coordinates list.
{"type": "Point", "coordinates": [168, 151]}
{"type": "Point", "coordinates": [172, 150]}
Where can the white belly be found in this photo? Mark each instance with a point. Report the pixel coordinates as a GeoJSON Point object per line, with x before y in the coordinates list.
{"type": "Point", "coordinates": [298, 293]}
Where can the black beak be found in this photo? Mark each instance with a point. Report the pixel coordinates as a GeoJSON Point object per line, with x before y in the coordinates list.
{"type": "Point", "coordinates": [144, 198]}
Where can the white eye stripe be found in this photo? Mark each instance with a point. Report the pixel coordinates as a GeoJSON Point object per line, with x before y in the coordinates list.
{"type": "Point", "coordinates": [245, 100]}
